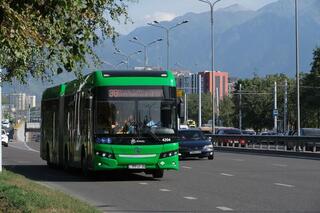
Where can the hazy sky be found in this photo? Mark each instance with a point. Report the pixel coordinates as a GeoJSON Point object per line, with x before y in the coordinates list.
{"type": "Point", "coordinates": [145, 11]}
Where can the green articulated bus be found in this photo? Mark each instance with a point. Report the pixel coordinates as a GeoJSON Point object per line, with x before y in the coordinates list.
{"type": "Point", "coordinates": [112, 120]}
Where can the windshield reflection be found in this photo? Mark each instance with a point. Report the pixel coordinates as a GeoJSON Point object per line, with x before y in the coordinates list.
{"type": "Point", "coordinates": [135, 117]}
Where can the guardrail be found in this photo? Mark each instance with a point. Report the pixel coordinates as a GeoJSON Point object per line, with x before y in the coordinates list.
{"type": "Point", "coordinates": [295, 145]}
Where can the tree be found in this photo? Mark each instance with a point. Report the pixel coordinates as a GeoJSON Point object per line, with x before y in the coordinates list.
{"type": "Point", "coordinates": [44, 37]}
{"type": "Point", "coordinates": [227, 112]}
{"type": "Point", "coordinates": [258, 101]}
{"type": "Point", "coordinates": [310, 94]}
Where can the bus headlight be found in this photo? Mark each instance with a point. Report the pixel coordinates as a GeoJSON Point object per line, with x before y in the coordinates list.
{"type": "Point", "coordinates": [169, 154]}
{"type": "Point", "coordinates": [105, 154]}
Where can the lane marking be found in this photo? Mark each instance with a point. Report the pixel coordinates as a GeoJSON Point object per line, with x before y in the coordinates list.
{"type": "Point", "coordinates": [285, 185]}
{"type": "Point", "coordinates": [23, 161]}
{"type": "Point", "coordinates": [224, 208]}
{"type": "Point", "coordinates": [279, 164]}
{"type": "Point", "coordinates": [30, 149]}
{"type": "Point", "coordinates": [186, 167]}
{"type": "Point", "coordinates": [143, 183]}
{"type": "Point", "coordinates": [239, 160]}
{"type": "Point", "coordinates": [225, 174]}
{"type": "Point", "coordinates": [165, 190]}
{"type": "Point", "coordinates": [190, 198]}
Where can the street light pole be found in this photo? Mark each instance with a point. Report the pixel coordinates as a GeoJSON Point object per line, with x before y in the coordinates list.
{"type": "Point", "coordinates": [212, 4]}
{"type": "Point", "coordinates": [118, 52]}
{"type": "Point", "coordinates": [145, 47]}
{"type": "Point", "coordinates": [0, 120]}
{"type": "Point", "coordinates": [297, 67]}
{"type": "Point", "coordinates": [167, 29]}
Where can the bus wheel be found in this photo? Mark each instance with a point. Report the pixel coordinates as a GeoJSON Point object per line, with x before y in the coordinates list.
{"type": "Point", "coordinates": [84, 165]}
{"type": "Point", "coordinates": [157, 173]}
{"type": "Point", "coordinates": [66, 159]}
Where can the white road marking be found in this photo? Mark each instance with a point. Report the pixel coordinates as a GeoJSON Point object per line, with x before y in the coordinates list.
{"type": "Point", "coordinates": [186, 167]}
{"type": "Point", "coordinates": [224, 208]}
{"type": "Point", "coordinates": [30, 149]}
{"type": "Point", "coordinates": [280, 165]}
{"type": "Point", "coordinates": [190, 198]}
{"type": "Point", "coordinates": [239, 160]}
{"type": "Point", "coordinates": [143, 183]}
{"type": "Point", "coordinates": [285, 185]}
{"type": "Point", "coordinates": [23, 161]}
{"type": "Point", "coordinates": [225, 174]}
{"type": "Point", "coordinates": [165, 190]}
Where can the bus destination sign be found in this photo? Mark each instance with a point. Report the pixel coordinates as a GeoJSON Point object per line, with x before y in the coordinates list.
{"type": "Point", "coordinates": [131, 93]}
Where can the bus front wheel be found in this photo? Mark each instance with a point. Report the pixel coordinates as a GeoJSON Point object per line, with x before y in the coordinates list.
{"type": "Point", "coordinates": [157, 173]}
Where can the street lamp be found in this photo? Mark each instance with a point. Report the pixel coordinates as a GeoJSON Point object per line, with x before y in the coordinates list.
{"type": "Point", "coordinates": [167, 29]}
{"type": "Point", "coordinates": [145, 46]}
{"type": "Point", "coordinates": [297, 67]}
{"type": "Point", "coordinates": [212, 4]}
{"type": "Point", "coordinates": [118, 52]}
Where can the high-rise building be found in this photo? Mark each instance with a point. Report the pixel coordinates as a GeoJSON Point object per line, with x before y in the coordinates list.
{"type": "Point", "coordinates": [221, 82]}
{"type": "Point", "coordinates": [31, 101]}
{"type": "Point", "coordinates": [18, 100]}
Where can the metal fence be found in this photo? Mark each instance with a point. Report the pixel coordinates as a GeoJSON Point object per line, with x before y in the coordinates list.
{"type": "Point", "coordinates": [274, 144]}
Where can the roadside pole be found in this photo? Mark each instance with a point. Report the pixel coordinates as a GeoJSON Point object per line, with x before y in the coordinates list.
{"type": "Point", "coordinates": [200, 121]}
{"type": "Point", "coordinates": [275, 108]}
{"type": "Point", "coordinates": [0, 121]}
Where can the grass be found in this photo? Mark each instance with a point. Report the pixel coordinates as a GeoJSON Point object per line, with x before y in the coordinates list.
{"type": "Point", "coordinates": [18, 194]}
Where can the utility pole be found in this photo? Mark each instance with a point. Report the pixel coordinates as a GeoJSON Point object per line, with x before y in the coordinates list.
{"type": "Point", "coordinates": [240, 110]}
{"type": "Point", "coordinates": [200, 121]}
{"type": "Point", "coordinates": [185, 105]}
{"type": "Point", "coordinates": [212, 4]}
{"type": "Point", "coordinates": [218, 110]}
{"type": "Point", "coordinates": [0, 120]}
{"type": "Point", "coordinates": [297, 67]}
{"type": "Point", "coordinates": [275, 109]}
{"type": "Point", "coordinates": [285, 106]}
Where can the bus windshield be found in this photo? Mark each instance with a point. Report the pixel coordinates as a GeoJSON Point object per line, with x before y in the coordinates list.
{"type": "Point", "coordinates": [131, 117]}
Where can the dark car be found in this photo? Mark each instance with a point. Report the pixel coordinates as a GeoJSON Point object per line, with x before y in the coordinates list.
{"type": "Point", "coordinates": [193, 143]}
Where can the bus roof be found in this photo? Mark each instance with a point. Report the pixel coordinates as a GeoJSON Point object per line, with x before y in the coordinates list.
{"type": "Point", "coordinates": [112, 78]}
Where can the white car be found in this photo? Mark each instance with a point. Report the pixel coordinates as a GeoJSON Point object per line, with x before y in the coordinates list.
{"type": "Point", "coordinates": [6, 124]}
{"type": "Point", "coordinates": [4, 138]}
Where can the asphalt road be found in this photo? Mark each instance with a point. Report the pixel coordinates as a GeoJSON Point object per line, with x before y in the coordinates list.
{"type": "Point", "coordinates": [231, 182]}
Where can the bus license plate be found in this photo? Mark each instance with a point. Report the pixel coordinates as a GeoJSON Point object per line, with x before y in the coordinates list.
{"type": "Point", "coordinates": [137, 166]}
{"type": "Point", "coordinates": [195, 152]}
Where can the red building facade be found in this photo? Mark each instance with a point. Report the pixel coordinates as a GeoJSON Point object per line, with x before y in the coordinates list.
{"type": "Point", "coordinates": [220, 84]}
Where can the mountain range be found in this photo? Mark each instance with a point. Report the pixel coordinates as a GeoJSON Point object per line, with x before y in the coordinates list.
{"type": "Point", "coordinates": [247, 42]}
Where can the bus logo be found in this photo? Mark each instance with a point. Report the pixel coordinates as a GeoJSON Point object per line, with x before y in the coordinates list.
{"type": "Point", "coordinates": [137, 150]}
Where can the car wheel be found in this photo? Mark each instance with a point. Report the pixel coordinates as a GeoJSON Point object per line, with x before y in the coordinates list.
{"type": "Point", "coordinates": [210, 157]}
{"type": "Point", "coordinates": [157, 173]}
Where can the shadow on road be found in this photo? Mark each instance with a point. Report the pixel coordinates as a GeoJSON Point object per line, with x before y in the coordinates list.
{"type": "Point", "coordinates": [42, 173]}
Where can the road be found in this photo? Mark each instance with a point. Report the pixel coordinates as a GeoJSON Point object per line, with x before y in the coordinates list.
{"type": "Point", "coordinates": [230, 183]}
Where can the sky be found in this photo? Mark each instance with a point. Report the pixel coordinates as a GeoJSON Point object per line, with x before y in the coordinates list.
{"type": "Point", "coordinates": [143, 11]}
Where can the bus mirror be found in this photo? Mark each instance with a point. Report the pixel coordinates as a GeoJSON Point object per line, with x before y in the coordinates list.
{"type": "Point", "coordinates": [89, 102]}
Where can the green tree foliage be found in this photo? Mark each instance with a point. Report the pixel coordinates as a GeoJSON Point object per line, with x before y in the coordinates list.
{"type": "Point", "coordinates": [44, 37]}
{"type": "Point", "coordinates": [258, 101]}
{"type": "Point", "coordinates": [193, 107]}
{"type": "Point", "coordinates": [310, 94]}
{"type": "Point", "coordinates": [227, 115]}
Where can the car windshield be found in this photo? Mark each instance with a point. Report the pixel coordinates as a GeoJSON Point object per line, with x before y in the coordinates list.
{"type": "Point", "coordinates": [135, 117]}
{"type": "Point", "coordinates": [191, 135]}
